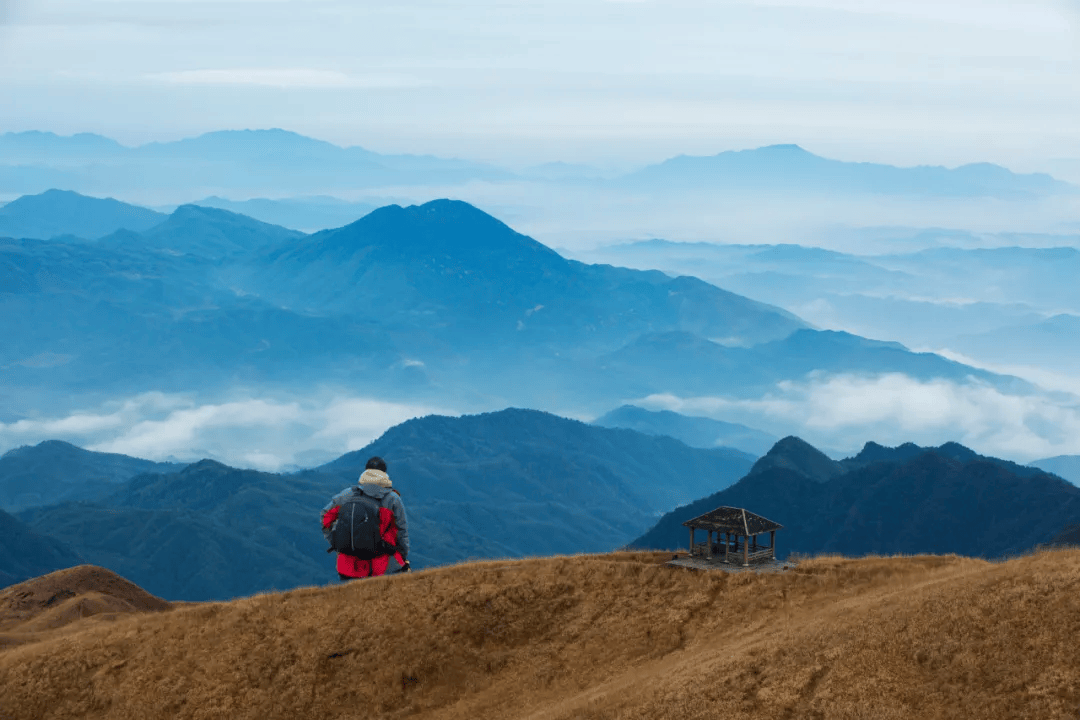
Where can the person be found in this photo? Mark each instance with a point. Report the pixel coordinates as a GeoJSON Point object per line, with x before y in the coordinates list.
{"type": "Point", "coordinates": [374, 482]}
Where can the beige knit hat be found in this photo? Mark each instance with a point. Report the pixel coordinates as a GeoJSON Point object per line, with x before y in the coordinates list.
{"type": "Point", "coordinates": [374, 477]}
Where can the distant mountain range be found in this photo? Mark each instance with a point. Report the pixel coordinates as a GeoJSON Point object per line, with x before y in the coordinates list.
{"type": "Point", "coordinates": [783, 169]}
{"type": "Point", "coordinates": [1015, 305]}
{"type": "Point", "coordinates": [906, 499]}
{"type": "Point", "coordinates": [278, 162]}
{"type": "Point", "coordinates": [699, 432]}
{"type": "Point", "coordinates": [54, 471]}
{"type": "Point", "coordinates": [270, 160]}
{"type": "Point", "coordinates": [1066, 466]}
{"type": "Point", "coordinates": [439, 302]}
{"type": "Point", "coordinates": [505, 484]}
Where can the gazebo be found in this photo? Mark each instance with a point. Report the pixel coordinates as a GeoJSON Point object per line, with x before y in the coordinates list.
{"type": "Point", "coordinates": [737, 523]}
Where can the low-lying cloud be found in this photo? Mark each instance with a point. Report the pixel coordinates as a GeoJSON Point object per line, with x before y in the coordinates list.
{"type": "Point", "coordinates": [845, 411]}
{"type": "Point", "coordinates": [266, 434]}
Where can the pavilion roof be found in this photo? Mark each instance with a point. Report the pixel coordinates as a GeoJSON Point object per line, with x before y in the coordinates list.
{"type": "Point", "coordinates": [733, 520]}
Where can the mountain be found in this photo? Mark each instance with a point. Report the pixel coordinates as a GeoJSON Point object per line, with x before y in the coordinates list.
{"type": "Point", "coordinates": [779, 169]}
{"type": "Point", "coordinates": [1040, 276]}
{"type": "Point", "coordinates": [53, 471]}
{"type": "Point", "coordinates": [523, 482]}
{"type": "Point", "coordinates": [34, 147]}
{"type": "Point", "coordinates": [307, 214]}
{"type": "Point", "coordinates": [886, 501]}
{"type": "Point", "coordinates": [207, 233]}
{"type": "Point", "coordinates": [271, 161]}
{"type": "Point", "coordinates": [1049, 343]}
{"type": "Point", "coordinates": [469, 278]}
{"type": "Point", "coordinates": [695, 431]}
{"type": "Point", "coordinates": [799, 456]}
{"type": "Point", "coordinates": [208, 532]}
{"type": "Point", "coordinates": [1066, 466]}
{"type": "Point", "coordinates": [687, 364]}
{"type": "Point", "coordinates": [61, 212]}
{"type": "Point", "coordinates": [149, 311]}
{"type": "Point", "coordinates": [441, 302]}
{"type": "Point", "coordinates": [26, 552]}
{"type": "Point", "coordinates": [506, 484]}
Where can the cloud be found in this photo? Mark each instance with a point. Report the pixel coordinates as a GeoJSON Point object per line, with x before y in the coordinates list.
{"type": "Point", "coordinates": [845, 411]}
{"type": "Point", "coordinates": [285, 78]}
{"type": "Point", "coordinates": [266, 434]}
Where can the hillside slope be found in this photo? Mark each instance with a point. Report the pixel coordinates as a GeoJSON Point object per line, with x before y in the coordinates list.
{"type": "Point", "coordinates": [25, 552]}
{"type": "Point", "coordinates": [598, 637]}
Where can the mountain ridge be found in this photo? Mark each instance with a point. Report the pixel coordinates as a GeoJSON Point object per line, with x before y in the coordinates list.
{"type": "Point", "coordinates": [788, 168]}
{"type": "Point", "coordinates": [56, 213]}
{"type": "Point", "coordinates": [902, 500]}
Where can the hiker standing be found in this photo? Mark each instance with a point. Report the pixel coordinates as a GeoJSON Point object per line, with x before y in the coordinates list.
{"type": "Point", "coordinates": [366, 525]}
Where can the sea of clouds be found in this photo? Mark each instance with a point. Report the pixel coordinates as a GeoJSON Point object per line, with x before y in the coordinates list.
{"type": "Point", "coordinates": [836, 412]}
{"type": "Point", "coordinates": [844, 411]}
{"type": "Point", "coordinates": [272, 434]}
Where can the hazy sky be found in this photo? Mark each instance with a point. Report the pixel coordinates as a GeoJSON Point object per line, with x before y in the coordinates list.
{"type": "Point", "coordinates": [601, 81]}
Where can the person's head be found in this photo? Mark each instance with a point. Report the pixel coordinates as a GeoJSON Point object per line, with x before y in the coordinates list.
{"type": "Point", "coordinates": [376, 463]}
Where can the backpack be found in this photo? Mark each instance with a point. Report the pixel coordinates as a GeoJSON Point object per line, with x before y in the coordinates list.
{"type": "Point", "coordinates": [356, 530]}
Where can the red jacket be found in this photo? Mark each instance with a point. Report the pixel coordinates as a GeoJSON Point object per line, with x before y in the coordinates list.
{"type": "Point", "coordinates": [355, 567]}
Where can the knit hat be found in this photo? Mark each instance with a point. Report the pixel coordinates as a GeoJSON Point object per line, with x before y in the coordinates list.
{"type": "Point", "coordinates": [374, 477]}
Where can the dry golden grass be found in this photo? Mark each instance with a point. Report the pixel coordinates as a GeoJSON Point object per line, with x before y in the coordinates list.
{"type": "Point", "coordinates": [615, 636]}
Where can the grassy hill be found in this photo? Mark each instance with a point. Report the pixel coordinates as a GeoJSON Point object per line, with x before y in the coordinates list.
{"type": "Point", "coordinates": [598, 637]}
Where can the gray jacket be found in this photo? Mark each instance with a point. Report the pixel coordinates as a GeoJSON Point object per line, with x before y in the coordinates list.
{"type": "Point", "coordinates": [387, 498]}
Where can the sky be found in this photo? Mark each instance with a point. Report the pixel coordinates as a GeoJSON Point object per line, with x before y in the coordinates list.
{"type": "Point", "coordinates": [611, 83]}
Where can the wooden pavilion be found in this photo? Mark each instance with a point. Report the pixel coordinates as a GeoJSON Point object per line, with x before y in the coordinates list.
{"type": "Point", "coordinates": [740, 529]}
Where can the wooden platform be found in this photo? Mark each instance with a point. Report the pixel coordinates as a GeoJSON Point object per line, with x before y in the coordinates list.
{"type": "Point", "coordinates": [699, 563]}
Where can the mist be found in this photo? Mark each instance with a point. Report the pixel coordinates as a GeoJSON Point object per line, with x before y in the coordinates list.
{"type": "Point", "coordinates": [242, 431]}
{"type": "Point", "coordinates": [843, 412]}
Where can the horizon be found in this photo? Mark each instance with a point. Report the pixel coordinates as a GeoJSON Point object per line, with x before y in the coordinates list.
{"type": "Point", "coordinates": [629, 169]}
{"type": "Point", "coordinates": [605, 82]}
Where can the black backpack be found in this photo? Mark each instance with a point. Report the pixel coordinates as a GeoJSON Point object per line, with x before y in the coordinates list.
{"type": "Point", "coordinates": [356, 530]}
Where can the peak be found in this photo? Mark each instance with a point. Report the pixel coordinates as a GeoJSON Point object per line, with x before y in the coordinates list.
{"type": "Point", "coordinates": [49, 447]}
{"type": "Point", "coordinates": [445, 227]}
{"type": "Point", "coordinates": [790, 148]}
{"type": "Point", "coordinates": [193, 210]}
{"type": "Point", "coordinates": [792, 443]}
{"type": "Point", "coordinates": [957, 451]}
{"type": "Point", "coordinates": [57, 193]}
{"type": "Point", "coordinates": [53, 195]}
{"type": "Point", "coordinates": [205, 465]}
{"type": "Point", "coordinates": [793, 453]}
{"type": "Point", "coordinates": [872, 452]}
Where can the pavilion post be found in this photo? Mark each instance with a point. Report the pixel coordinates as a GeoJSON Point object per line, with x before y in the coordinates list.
{"type": "Point", "coordinates": [772, 543]}
{"type": "Point", "coordinates": [691, 541]}
{"type": "Point", "coordinates": [727, 545]}
{"type": "Point", "coordinates": [745, 550]}
{"type": "Point", "coordinates": [709, 540]}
